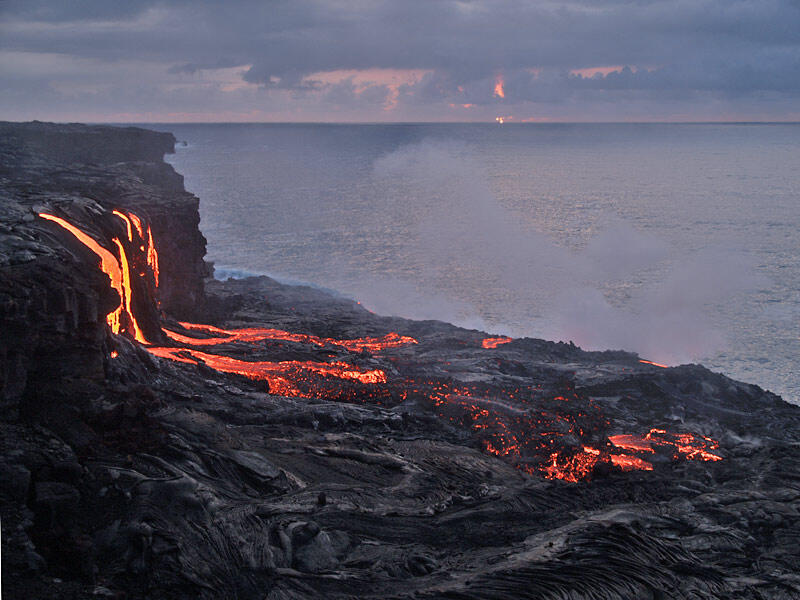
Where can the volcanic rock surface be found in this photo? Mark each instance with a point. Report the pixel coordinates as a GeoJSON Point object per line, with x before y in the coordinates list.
{"type": "Point", "coordinates": [275, 441]}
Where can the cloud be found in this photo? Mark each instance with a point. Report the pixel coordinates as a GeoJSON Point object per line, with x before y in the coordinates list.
{"type": "Point", "coordinates": [745, 54]}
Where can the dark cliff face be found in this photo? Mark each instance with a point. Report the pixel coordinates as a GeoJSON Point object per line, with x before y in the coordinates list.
{"type": "Point", "coordinates": [53, 299]}
{"type": "Point", "coordinates": [127, 475]}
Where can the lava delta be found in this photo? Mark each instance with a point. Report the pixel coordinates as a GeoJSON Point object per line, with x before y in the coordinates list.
{"type": "Point", "coordinates": [168, 435]}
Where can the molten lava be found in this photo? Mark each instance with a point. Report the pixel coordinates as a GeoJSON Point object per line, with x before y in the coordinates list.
{"type": "Point", "coordinates": [494, 342]}
{"type": "Point", "coordinates": [138, 223]}
{"type": "Point", "coordinates": [128, 296]}
{"type": "Point", "coordinates": [631, 442]}
{"type": "Point", "coordinates": [626, 462]}
{"type": "Point", "coordinates": [282, 377]}
{"type": "Point", "coordinates": [260, 334]}
{"type": "Point", "coordinates": [687, 445]}
{"type": "Point", "coordinates": [152, 255]}
{"type": "Point", "coordinates": [125, 218]}
{"type": "Point", "coordinates": [147, 245]}
{"type": "Point", "coordinates": [571, 467]}
{"type": "Point", "coordinates": [558, 434]}
{"type": "Point", "coordinates": [119, 275]}
{"type": "Point", "coordinates": [655, 364]}
{"type": "Point", "coordinates": [121, 319]}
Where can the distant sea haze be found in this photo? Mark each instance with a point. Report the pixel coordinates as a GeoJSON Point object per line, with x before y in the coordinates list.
{"type": "Point", "coordinates": [679, 242]}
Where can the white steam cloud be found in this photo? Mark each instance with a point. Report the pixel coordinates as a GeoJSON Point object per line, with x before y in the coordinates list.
{"type": "Point", "coordinates": [625, 289]}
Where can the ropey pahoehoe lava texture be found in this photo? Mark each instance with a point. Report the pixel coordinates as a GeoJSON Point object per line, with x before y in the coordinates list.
{"type": "Point", "coordinates": [166, 436]}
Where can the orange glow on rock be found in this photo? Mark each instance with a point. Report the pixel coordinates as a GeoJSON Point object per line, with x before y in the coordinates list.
{"type": "Point", "coordinates": [152, 255]}
{"type": "Point", "coordinates": [687, 445]}
{"type": "Point", "coordinates": [571, 467]}
{"type": "Point", "coordinates": [127, 223]}
{"type": "Point", "coordinates": [282, 376]}
{"type": "Point", "coordinates": [128, 294]}
{"type": "Point", "coordinates": [259, 334]}
{"type": "Point", "coordinates": [138, 224]}
{"type": "Point", "coordinates": [118, 271]}
{"type": "Point", "coordinates": [494, 342]}
{"type": "Point", "coordinates": [556, 434]}
{"type": "Point", "coordinates": [655, 364]}
{"type": "Point", "coordinates": [626, 462]}
{"type": "Point", "coordinates": [631, 442]}
{"type": "Point", "coordinates": [108, 264]}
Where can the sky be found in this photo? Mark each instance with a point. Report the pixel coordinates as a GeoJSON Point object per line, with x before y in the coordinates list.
{"type": "Point", "coordinates": [399, 60]}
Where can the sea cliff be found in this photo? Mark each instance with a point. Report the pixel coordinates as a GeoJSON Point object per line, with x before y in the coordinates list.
{"type": "Point", "coordinates": [168, 435]}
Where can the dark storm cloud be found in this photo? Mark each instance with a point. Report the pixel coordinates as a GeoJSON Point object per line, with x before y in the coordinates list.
{"type": "Point", "coordinates": [723, 49]}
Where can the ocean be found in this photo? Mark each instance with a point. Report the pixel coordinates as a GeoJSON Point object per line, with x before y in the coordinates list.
{"type": "Point", "coordinates": [676, 241]}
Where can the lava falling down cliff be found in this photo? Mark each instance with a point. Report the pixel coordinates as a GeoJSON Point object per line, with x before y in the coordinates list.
{"type": "Point", "coordinates": [558, 436]}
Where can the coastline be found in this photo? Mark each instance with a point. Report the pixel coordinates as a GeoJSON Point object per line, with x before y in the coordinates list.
{"type": "Point", "coordinates": [212, 484]}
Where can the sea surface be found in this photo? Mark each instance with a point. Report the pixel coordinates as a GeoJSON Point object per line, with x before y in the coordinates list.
{"type": "Point", "coordinates": [679, 242]}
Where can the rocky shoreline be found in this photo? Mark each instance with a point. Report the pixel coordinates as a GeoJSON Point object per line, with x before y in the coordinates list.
{"type": "Point", "coordinates": [275, 441]}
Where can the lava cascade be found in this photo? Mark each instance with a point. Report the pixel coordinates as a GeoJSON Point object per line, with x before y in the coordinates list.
{"type": "Point", "coordinates": [121, 319]}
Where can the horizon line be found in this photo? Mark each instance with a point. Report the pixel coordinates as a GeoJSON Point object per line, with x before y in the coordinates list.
{"type": "Point", "coordinates": [699, 122]}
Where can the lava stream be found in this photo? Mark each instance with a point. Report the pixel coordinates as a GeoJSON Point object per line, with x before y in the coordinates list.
{"type": "Point", "coordinates": [282, 376]}
{"type": "Point", "coordinates": [687, 445]}
{"type": "Point", "coordinates": [117, 270]}
{"type": "Point", "coordinates": [535, 432]}
{"type": "Point", "coordinates": [152, 255]}
{"type": "Point", "coordinates": [259, 334]}
{"type": "Point", "coordinates": [655, 364]}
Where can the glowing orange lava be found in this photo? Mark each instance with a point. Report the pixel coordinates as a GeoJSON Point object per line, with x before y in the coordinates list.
{"type": "Point", "coordinates": [259, 334]}
{"type": "Point", "coordinates": [655, 364]}
{"type": "Point", "coordinates": [131, 220]}
{"type": "Point", "coordinates": [555, 433]}
{"type": "Point", "coordinates": [138, 223]}
{"type": "Point", "coordinates": [108, 264]}
{"type": "Point", "coordinates": [152, 255]}
{"type": "Point", "coordinates": [571, 467]}
{"type": "Point", "coordinates": [687, 445]}
{"type": "Point", "coordinates": [127, 223]}
{"type": "Point", "coordinates": [282, 376]}
{"type": "Point", "coordinates": [128, 295]}
{"type": "Point", "coordinates": [494, 342]}
{"type": "Point", "coordinates": [626, 462]}
{"type": "Point", "coordinates": [631, 442]}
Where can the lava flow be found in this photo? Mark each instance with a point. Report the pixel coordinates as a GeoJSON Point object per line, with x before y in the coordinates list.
{"type": "Point", "coordinates": [687, 445]}
{"type": "Point", "coordinates": [282, 377]}
{"type": "Point", "coordinates": [260, 334]}
{"type": "Point", "coordinates": [655, 364]}
{"type": "Point", "coordinates": [494, 342]}
{"type": "Point", "coordinates": [558, 434]}
{"type": "Point", "coordinates": [121, 319]}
